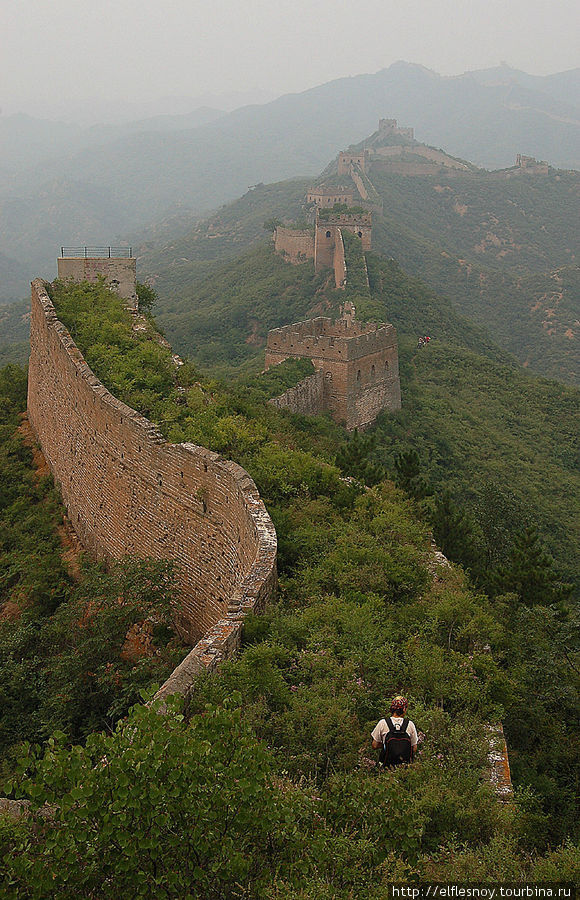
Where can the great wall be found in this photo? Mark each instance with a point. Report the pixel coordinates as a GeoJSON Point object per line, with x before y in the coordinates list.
{"type": "Point", "coordinates": [357, 367]}
{"type": "Point", "coordinates": [128, 491]}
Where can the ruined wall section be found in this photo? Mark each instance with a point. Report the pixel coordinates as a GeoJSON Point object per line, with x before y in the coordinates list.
{"type": "Point", "coordinates": [327, 197]}
{"type": "Point", "coordinates": [306, 398]}
{"type": "Point", "coordinates": [120, 273]}
{"type": "Point", "coordinates": [128, 491]}
{"type": "Point", "coordinates": [339, 261]}
{"type": "Point", "coordinates": [359, 364]}
{"type": "Point", "coordinates": [296, 245]}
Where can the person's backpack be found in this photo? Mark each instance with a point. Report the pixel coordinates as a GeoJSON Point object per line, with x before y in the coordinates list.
{"type": "Point", "coordinates": [396, 745]}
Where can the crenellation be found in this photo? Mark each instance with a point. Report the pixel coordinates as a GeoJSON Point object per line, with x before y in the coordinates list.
{"type": "Point", "coordinates": [357, 367]}
{"type": "Point", "coordinates": [129, 491]}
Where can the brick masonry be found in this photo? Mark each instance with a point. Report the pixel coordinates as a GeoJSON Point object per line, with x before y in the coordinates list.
{"type": "Point", "coordinates": [307, 397]}
{"type": "Point", "coordinates": [328, 244]}
{"type": "Point", "coordinates": [294, 244]}
{"type": "Point", "coordinates": [359, 364]}
{"type": "Point", "coordinates": [120, 273]}
{"type": "Point", "coordinates": [128, 491]}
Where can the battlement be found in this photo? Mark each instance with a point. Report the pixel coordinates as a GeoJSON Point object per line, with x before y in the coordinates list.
{"type": "Point", "coordinates": [389, 126]}
{"type": "Point", "coordinates": [334, 340]}
{"type": "Point", "coordinates": [347, 159]}
{"type": "Point", "coordinates": [327, 197]}
{"type": "Point", "coordinates": [115, 264]}
{"type": "Point", "coordinates": [358, 361]}
{"type": "Point", "coordinates": [530, 164]}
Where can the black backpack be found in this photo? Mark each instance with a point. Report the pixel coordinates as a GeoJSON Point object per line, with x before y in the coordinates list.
{"type": "Point", "coordinates": [396, 745]}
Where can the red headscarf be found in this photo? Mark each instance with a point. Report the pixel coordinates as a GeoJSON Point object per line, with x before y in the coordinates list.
{"type": "Point", "coordinates": [399, 706]}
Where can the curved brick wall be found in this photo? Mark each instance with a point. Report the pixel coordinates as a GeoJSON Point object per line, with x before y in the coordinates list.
{"type": "Point", "coordinates": [128, 491]}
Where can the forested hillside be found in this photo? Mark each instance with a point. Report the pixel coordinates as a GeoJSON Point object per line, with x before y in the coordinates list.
{"type": "Point", "coordinates": [364, 612]}
{"type": "Point", "coordinates": [504, 251]}
{"type": "Point", "coordinates": [477, 418]}
{"type": "Point", "coordinates": [91, 186]}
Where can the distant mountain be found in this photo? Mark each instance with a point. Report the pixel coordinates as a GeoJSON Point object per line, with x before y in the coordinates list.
{"type": "Point", "coordinates": [13, 275]}
{"type": "Point", "coordinates": [563, 86]}
{"type": "Point", "coordinates": [143, 175]}
{"type": "Point", "coordinates": [28, 142]}
{"type": "Point", "coordinates": [504, 247]}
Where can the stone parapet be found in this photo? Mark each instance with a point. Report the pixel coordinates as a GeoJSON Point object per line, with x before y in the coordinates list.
{"type": "Point", "coordinates": [130, 492]}
{"type": "Point", "coordinates": [306, 397]}
{"type": "Point", "coordinates": [120, 273]}
{"type": "Point", "coordinates": [358, 362]}
{"type": "Point", "coordinates": [295, 244]}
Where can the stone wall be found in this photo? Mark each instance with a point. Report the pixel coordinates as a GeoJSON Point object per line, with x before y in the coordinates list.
{"type": "Point", "coordinates": [306, 397]}
{"type": "Point", "coordinates": [359, 363]}
{"type": "Point", "coordinates": [328, 244]}
{"type": "Point", "coordinates": [408, 164]}
{"type": "Point", "coordinates": [346, 160]}
{"type": "Point", "coordinates": [328, 197]}
{"type": "Point", "coordinates": [339, 261]}
{"type": "Point", "coordinates": [120, 273]}
{"type": "Point", "coordinates": [294, 244]}
{"type": "Point", "coordinates": [128, 491]}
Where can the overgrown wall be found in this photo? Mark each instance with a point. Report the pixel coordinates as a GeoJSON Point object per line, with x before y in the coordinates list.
{"type": "Point", "coordinates": [120, 273]}
{"type": "Point", "coordinates": [306, 397]}
{"type": "Point", "coordinates": [296, 245]}
{"type": "Point", "coordinates": [128, 491]}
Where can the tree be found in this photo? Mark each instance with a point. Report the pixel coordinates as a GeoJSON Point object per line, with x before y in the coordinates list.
{"type": "Point", "coordinates": [158, 809]}
{"type": "Point", "coordinates": [409, 476]}
{"type": "Point", "coordinates": [529, 572]}
{"type": "Point", "coordinates": [454, 532]}
{"type": "Point", "coordinates": [147, 297]}
{"type": "Point", "coordinates": [352, 458]}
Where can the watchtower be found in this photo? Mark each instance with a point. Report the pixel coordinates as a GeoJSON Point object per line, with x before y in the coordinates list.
{"type": "Point", "coordinates": [359, 362]}
{"type": "Point", "coordinates": [116, 265]}
{"type": "Point", "coordinates": [327, 237]}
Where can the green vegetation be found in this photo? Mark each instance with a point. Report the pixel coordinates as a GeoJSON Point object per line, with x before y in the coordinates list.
{"type": "Point", "coordinates": [504, 251]}
{"type": "Point", "coordinates": [471, 412]}
{"type": "Point", "coordinates": [31, 569]}
{"type": "Point", "coordinates": [221, 319]}
{"type": "Point", "coordinates": [283, 729]}
{"type": "Point", "coordinates": [65, 662]}
{"type": "Point", "coordinates": [357, 286]}
{"type": "Point", "coordinates": [14, 343]}
{"type": "Point", "coordinates": [340, 209]}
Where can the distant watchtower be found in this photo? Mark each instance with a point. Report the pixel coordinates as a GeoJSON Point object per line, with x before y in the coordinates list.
{"type": "Point", "coordinates": [116, 265]}
{"type": "Point", "coordinates": [359, 364]}
{"type": "Point", "coordinates": [329, 225]}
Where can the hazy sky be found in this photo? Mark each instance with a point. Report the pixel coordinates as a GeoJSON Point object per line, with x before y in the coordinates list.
{"type": "Point", "coordinates": [57, 51]}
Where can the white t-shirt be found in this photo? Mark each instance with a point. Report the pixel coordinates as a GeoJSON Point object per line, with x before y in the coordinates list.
{"type": "Point", "coordinates": [381, 730]}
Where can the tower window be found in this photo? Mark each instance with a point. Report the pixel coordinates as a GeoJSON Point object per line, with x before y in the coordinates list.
{"type": "Point", "coordinates": [328, 234]}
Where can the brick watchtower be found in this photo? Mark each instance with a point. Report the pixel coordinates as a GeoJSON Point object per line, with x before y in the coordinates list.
{"type": "Point", "coordinates": [359, 362]}
{"type": "Point", "coordinates": [328, 239]}
{"type": "Point", "coordinates": [116, 265]}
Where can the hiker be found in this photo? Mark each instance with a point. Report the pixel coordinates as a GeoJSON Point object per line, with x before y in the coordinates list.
{"type": "Point", "coordinates": [396, 737]}
{"type": "Point", "coordinates": [421, 342]}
